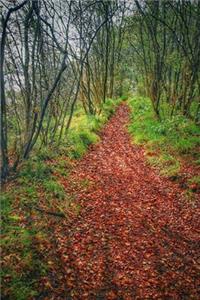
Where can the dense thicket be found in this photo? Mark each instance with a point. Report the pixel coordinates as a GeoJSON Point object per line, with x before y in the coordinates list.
{"type": "Point", "coordinates": [54, 53]}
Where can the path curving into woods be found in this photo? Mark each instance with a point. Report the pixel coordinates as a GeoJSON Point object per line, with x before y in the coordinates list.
{"type": "Point", "coordinates": [135, 237]}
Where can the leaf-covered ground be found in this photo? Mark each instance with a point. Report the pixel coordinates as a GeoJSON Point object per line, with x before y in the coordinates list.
{"type": "Point", "coordinates": [135, 236]}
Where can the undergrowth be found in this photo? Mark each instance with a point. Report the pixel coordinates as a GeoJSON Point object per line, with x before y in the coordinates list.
{"type": "Point", "coordinates": [24, 229]}
{"type": "Point", "coordinates": [166, 141]}
{"type": "Point", "coordinates": [84, 128]}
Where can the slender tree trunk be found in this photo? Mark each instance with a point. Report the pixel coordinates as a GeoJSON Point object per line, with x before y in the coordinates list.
{"type": "Point", "coordinates": [4, 146]}
{"type": "Point", "coordinates": [3, 122]}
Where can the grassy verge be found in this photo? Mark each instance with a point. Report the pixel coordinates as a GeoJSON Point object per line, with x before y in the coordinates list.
{"type": "Point", "coordinates": [26, 232]}
{"type": "Point", "coordinates": [168, 143]}
{"type": "Point", "coordinates": [84, 128]}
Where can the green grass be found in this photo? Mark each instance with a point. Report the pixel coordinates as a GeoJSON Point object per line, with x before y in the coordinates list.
{"type": "Point", "coordinates": [168, 139]}
{"type": "Point", "coordinates": [16, 242]}
{"type": "Point", "coordinates": [62, 167]}
{"type": "Point", "coordinates": [35, 169]}
{"type": "Point", "coordinates": [19, 258]}
{"type": "Point", "coordinates": [169, 166]}
{"type": "Point", "coordinates": [54, 189]}
{"type": "Point", "coordinates": [6, 202]}
{"type": "Point", "coordinates": [22, 267]}
{"type": "Point", "coordinates": [79, 140]}
{"type": "Point", "coordinates": [84, 129]}
{"type": "Point", "coordinates": [46, 154]}
{"type": "Point", "coordinates": [37, 184]}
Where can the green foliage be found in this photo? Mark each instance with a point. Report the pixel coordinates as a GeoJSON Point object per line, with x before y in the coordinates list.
{"type": "Point", "coordinates": [109, 106]}
{"type": "Point", "coordinates": [170, 137]}
{"type": "Point", "coordinates": [18, 241]}
{"type": "Point", "coordinates": [178, 132]}
{"type": "Point", "coordinates": [141, 88]}
{"type": "Point", "coordinates": [54, 189]}
{"type": "Point", "coordinates": [62, 167]}
{"type": "Point", "coordinates": [46, 154]}
{"type": "Point", "coordinates": [5, 204]}
{"type": "Point", "coordinates": [27, 193]}
{"type": "Point", "coordinates": [197, 162]}
{"type": "Point", "coordinates": [19, 288]}
{"type": "Point", "coordinates": [87, 138]}
{"type": "Point", "coordinates": [35, 170]}
{"type": "Point", "coordinates": [84, 128]}
{"type": "Point", "coordinates": [168, 165]}
{"type": "Point", "coordinates": [93, 123]}
{"type": "Point", "coordinates": [22, 265]}
{"type": "Point", "coordinates": [124, 97]}
{"type": "Point", "coordinates": [79, 141]}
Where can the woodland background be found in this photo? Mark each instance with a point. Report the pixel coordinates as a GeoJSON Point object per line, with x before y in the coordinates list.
{"type": "Point", "coordinates": [65, 65]}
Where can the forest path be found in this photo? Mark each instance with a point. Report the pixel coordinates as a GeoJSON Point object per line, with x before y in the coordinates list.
{"type": "Point", "coordinates": [134, 238]}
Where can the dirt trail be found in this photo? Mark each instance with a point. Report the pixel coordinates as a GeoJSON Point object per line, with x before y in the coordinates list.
{"type": "Point", "coordinates": [135, 237]}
